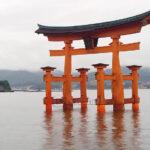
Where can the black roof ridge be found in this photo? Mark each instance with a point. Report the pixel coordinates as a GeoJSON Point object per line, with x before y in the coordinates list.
{"type": "Point", "coordinates": [90, 27]}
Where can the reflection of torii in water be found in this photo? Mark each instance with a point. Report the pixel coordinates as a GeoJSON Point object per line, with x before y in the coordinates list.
{"type": "Point", "coordinates": [90, 35]}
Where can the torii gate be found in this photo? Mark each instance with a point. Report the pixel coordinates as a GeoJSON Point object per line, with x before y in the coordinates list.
{"type": "Point", "coordinates": [90, 35]}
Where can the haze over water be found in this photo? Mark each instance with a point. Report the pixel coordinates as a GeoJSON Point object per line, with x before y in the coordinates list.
{"type": "Point", "coordinates": [25, 126]}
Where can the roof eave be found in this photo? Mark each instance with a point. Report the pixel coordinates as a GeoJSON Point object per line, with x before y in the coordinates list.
{"type": "Point", "coordinates": [94, 29]}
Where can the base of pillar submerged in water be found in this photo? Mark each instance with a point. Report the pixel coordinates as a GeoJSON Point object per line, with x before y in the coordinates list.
{"type": "Point", "coordinates": [101, 108]}
{"type": "Point", "coordinates": [118, 107]}
{"type": "Point", "coordinates": [48, 104]}
{"type": "Point", "coordinates": [67, 107]}
{"type": "Point", "coordinates": [48, 108]}
{"type": "Point", "coordinates": [135, 107]}
{"type": "Point", "coordinates": [84, 105]}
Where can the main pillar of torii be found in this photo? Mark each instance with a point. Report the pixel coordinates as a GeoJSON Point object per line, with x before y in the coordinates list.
{"type": "Point", "coordinates": [90, 35]}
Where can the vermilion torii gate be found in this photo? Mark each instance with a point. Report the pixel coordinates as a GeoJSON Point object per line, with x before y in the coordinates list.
{"type": "Point", "coordinates": [90, 35]}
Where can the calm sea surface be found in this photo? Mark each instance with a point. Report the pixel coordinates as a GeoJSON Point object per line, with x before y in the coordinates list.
{"type": "Point", "coordinates": [25, 126]}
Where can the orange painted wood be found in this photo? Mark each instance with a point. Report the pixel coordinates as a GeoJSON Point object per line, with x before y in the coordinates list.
{"type": "Point", "coordinates": [78, 100]}
{"type": "Point", "coordinates": [135, 107]}
{"type": "Point", "coordinates": [126, 101]}
{"type": "Point", "coordinates": [83, 87]}
{"type": "Point", "coordinates": [104, 49]}
{"type": "Point", "coordinates": [129, 47]}
{"type": "Point", "coordinates": [57, 79]}
{"type": "Point", "coordinates": [117, 77]}
{"type": "Point", "coordinates": [100, 87]}
{"type": "Point", "coordinates": [109, 77]}
{"type": "Point", "coordinates": [63, 78]}
{"type": "Point", "coordinates": [61, 101]}
{"type": "Point", "coordinates": [117, 84]}
{"type": "Point", "coordinates": [135, 85]}
{"type": "Point", "coordinates": [48, 99]}
{"type": "Point", "coordinates": [76, 79]}
{"type": "Point", "coordinates": [127, 77]}
{"type": "Point", "coordinates": [67, 84]}
{"type": "Point", "coordinates": [134, 73]}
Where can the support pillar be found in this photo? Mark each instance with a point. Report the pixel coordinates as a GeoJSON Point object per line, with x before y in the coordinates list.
{"type": "Point", "coordinates": [135, 77]}
{"type": "Point", "coordinates": [83, 87]}
{"type": "Point", "coordinates": [117, 83]}
{"type": "Point", "coordinates": [67, 85]}
{"type": "Point", "coordinates": [100, 86]}
{"type": "Point", "coordinates": [48, 78]}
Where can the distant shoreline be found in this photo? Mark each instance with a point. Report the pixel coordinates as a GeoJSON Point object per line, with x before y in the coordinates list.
{"type": "Point", "coordinates": [61, 90]}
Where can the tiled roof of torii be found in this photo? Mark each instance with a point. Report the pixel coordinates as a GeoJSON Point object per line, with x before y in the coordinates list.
{"type": "Point", "coordinates": [65, 30]}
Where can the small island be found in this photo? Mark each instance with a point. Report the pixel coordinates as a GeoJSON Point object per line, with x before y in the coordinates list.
{"type": "Point", "coordinates": [5, 86]}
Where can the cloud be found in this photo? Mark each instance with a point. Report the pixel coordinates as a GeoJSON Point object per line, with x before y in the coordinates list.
{"type": "Point", "coordinates": [21, 48]}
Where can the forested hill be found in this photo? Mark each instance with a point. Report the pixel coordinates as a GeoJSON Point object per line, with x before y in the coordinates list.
{"type": "Point", "coordinates": [24, 79]}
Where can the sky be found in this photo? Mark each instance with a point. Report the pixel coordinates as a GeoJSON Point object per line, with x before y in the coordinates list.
{"type": "Point", "coordinates": [22, 49]}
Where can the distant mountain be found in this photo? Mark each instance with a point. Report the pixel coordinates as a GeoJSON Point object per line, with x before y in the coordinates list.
{"type": "Point", "coordinates": [144, 81]}
{"type": "Point", "coordinates": [25, 79]}
{"type": "Point", "coordinates": [34, 80]}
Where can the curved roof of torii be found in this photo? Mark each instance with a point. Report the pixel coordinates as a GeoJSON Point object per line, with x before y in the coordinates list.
{"type": "Point", "coordinates": [90, 29]}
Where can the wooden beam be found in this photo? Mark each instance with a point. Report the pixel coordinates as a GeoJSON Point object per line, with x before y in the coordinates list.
{"type": "Point", "coordinates": [62, 79]}
{"type": "Point", "coordinates": [109, 77]}
{"type": "Point", "coordinates": [58, 79]}
{"type": "Point", "coordinates": [57, 52]}
{"type": "Point", "coordinates": [129, 47]}
{"type": "Point", "coordinates": [82, 51]}
{"type": "Point", "coordinates": [76, 79]}
{"type": "Point", "coordinates": [107, 101]}
{"type": "Point", "coordinates": [104, 49]}
{"type": "Point", "coordinates": [126, 101]}
{"type": "Point", "coordinates": [127, 77]}
{"type": "Point", "coordinates": [61, 101]}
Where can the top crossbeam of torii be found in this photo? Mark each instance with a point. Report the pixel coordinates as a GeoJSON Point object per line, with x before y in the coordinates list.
{"type": "Point", "coordinates": [90, 34]}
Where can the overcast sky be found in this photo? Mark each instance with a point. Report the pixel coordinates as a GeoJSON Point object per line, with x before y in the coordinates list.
{"type": "Point", "coordinates": [21, 48]}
